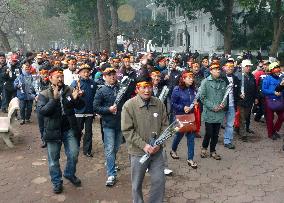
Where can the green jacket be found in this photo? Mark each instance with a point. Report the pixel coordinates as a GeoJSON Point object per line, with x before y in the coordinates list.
{"type": "Point", "coordinates": [212, 93]}
{"type": "Point", "coordinates": [138, 122]}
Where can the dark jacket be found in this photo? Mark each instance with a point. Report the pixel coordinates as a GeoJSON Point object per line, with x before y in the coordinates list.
{"type": "Point", "coordinates": [89, 87]}
{"type": "Point", "coordinates": [132, 74]}
{"type": "Point", "coordinates": [104, 98]}
{"type": "Point", "coordinates": [9, 78]}
{"type": "Point", "coordinates": [236, 89]}
{"type": "Point", "coordinates": [55, 122]}
{"type": "Point", "coordinates": [173, 80]}
{"type": "Point", "coordinates": [181, 98]}
{"type": "Point", "coordinates": [250, 91]}
{"type": "Point", "coordinates": [2, 71]}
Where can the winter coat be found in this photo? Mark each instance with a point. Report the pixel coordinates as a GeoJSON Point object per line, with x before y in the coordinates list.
{"type": "Point", "coordinates": [10, 77]}
{"type": "Point", "coordinates": [250, 91]}
{"type": "Point", "coordinates": [269, 85]}
{"type": "Point", "coordinates": [181, 98]}
{"type": "Point", "coordinates": [59, 114]}
{"type": "Point", "coordinates": [24, 86]}
{"type": "Point", "coordinates": [105, 98]}
{"type": "Point", "coordinates": [212, 92]}
{"type": "Point", "coordinates": [89, 87]}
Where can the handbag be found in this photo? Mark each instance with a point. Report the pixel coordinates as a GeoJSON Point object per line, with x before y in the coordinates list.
{"type": "Point", "coordinates": [275, 104]}
{"type": "Point", "coordinates": [188, 121]}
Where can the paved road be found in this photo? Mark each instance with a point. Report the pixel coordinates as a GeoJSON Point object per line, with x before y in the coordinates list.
{"type": "Point", "coordinates": [254, 172]}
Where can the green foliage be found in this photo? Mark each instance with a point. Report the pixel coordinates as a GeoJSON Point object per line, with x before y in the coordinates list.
{"type": "Point", "coordinates": [158, 31]}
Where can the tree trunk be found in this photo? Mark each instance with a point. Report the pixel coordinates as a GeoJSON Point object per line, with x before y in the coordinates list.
{"type": "Point", "coordinates": [103, 33]}
{"type": "Point", "coordinates": [277, 38]}
{"type": "Point", "coordinates": [114, 26]}
{"type": "Point", "coordinates": [96, 33]}
{"type": "Point", "coordinates": [278, 29]}
{"type": "Point", "coordinates": [4, 41]}
{"type": "Point", "coordinates": [228, 7]}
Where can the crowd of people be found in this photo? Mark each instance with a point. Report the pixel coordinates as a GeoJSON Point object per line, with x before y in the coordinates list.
{"type": "Point", "coordinates": [71, 88]}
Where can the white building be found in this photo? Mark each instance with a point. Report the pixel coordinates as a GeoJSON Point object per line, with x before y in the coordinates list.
{"type": "Point", "coordinates": [202, 35]}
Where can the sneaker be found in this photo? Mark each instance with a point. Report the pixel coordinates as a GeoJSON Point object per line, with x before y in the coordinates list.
{"type": "Point", "coordinates": [117, 168]}
{"type": "Point", "coordinates": [74, 180]}
{"type": "Point", "coordinates": [192, 164]}
{"type": "Point", "coordinates": [22, 122]}
{"type": "Point", "coordinates": [28, 121]}
{"type": "Point", "coordinates": [168, 172]}
{"type": "Point", "coordinates": [57, 189]}
{"type": "Point", "coordinates": [229, 146]}
{"type": "Point", "coordinates": [110, 181]}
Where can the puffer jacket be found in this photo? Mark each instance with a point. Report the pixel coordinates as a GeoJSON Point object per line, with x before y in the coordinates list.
{"type": "Point", "coordinates": [269, 85]}
{"type": "Point", "coordinates": [59, 114]}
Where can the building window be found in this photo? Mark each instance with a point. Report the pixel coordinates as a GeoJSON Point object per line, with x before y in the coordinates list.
{"type": "Point", "coordinates": [195, 28]}
{"type": "Point", "coordinates": [172, 14]}
{"type": "Point", "coordinates": [180, 11]}
{"type": "Point", "coordinates": [210, 26]}
{"type": "Point", "coordinates": [203, 27]}
{"type": "Point", "coordinates": [180, 37]}
{"type": "Point", "coordinates": [172, 39]}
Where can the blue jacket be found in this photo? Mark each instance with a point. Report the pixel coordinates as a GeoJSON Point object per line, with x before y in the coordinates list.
{"type": "Point", "coordinates": [269, 84]}
{"type": "Point", "coordinates": [24, 86]}
{"type": "Point", "coordinates": [89, 87]}
{"type": "Point", "coordinates": [181, 98]}
{"type": "Point", "coordinates": [104, 98]}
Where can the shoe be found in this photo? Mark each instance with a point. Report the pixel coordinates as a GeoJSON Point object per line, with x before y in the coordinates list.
{"type": "Point", "coordinates": [28, 121]}
{"type": "Point", "coordinates": [204, 153]}
{"type": "Point", "coordinates": [192, 164]}
{"type": "Point", "coordinates": [117, 168]}
{"type": "Point", "coordinates": [168, 172]}
{"type": "Point", "coordinates": [229, 146]}
{"type": "Point", "coordinates": [277, 135]}
{"type": "Point", "coordinates": [274, 137]}
{"type": "Point", "coordinates": [22, 122]}
{"type": "Point", "coordinates": [43, 144]}
{"type": "Point", "coordinates": [250, 131]}
{"type": "Point", "coordinates": [90, 155]}
{"type": "Point", "coordinates": [74, 180]}
{"type": "Point", "coordinates": [197, 135]}
{"type": "Point", "coordinates": [111, 180]}
{"type": "Point", "coordinates": [215, 156]}
{"type": "Point", "coordinates": [57, 189]}
{"type": "Point", "coordinates": [244, 139]}
{"type": "Point", "coordinates": [174, 155]}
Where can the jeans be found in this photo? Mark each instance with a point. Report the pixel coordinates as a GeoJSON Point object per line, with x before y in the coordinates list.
{"type": "Point", "coordinates": [190, 143]}
{"type": "Point", "coordinates": [229, 128]}
{"type": "Point", "coordinates": [71, 151]}
{"type": "Point", "coordinates": [155, 165]}
{"type": "Point", "coordinates": [87, 140]}
{"type": "Point", "coordinates": [26, 107]}
{"type": "Point", "coordinates": [211, 136]}
{"type": "Point", "coordinates": [112, 141]}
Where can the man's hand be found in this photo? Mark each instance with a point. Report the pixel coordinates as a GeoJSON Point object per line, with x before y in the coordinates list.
{"type": "Point", "coordinates": [76, 93]}
{"type": "Point", "coordinates": [277, 93]}
{"type": "Point", "coordinates": [256, 101]}
{"type": "Point", "coordinates": [166, 77]}
{"type": "Point", "coordinates": [113, 109]}
{"type": "Point", "coordinates": [56, 93]}
{"type": "Point", "coordinates": [36, 98]}
{"type": "Point", "coordinates": [242, 96]}
{"type": "Point", "coordinates": [151, 150]}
